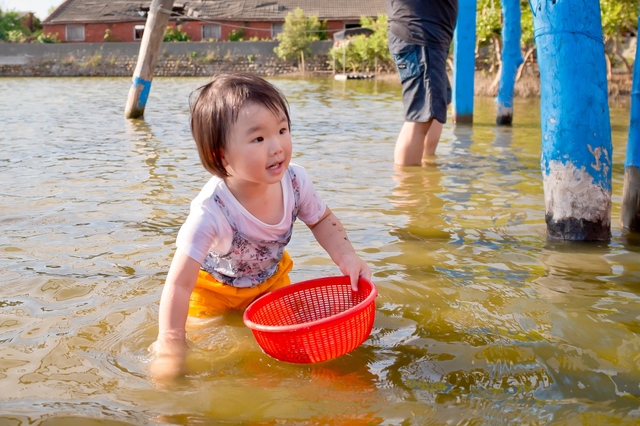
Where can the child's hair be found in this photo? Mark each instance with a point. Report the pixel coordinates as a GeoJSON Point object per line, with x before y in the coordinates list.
{"type": "Point", "coordinates": [215, 108]}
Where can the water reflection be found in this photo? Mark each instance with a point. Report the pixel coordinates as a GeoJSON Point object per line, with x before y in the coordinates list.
{"type": "Point", "coordinates": [157, 155]}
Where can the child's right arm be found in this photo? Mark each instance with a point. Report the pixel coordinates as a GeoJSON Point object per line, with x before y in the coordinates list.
{"type": "Point", "coordinates": [170, 348]}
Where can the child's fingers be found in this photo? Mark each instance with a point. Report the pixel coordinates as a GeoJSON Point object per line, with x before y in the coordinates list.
{"type": "Point", "coordinates": [354, 277]}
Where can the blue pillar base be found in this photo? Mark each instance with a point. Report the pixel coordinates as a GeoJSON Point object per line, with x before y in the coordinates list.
{"type": "Point", "coordinates": [504, 120]}
{"type": "Point", "coordinates": [630, 211]}
{"type": "Point", "coordinates": [463, 119]}
{"type": "Point", "coordinates": [572, 229]}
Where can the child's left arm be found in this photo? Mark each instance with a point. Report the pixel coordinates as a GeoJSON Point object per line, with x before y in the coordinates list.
{"type": "Point", "coordinates": [333, 238]}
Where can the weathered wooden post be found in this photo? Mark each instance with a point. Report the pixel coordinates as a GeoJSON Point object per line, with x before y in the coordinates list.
{"type": "Point", "coordinates": [159, 13]}
{"type": "Point", "coordinates": [630, 210]}
{"type": "Point", "coordinates": [464, 62]}
{"type": "Point", "coordinates": [511, 60]}
{"type": "Point", "coordinates": [574, 115]}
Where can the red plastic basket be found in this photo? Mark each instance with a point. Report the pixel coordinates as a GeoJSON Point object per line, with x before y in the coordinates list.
{"type": "Point", "coordinates": [313, 321]}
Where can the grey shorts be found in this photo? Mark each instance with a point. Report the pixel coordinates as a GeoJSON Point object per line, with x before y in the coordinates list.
{"type": "Point", "coordinates": [426, 90]}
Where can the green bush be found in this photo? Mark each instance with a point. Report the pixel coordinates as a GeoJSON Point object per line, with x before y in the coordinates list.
{"type": "Point", "coordinates": [109, 37]}
{"type": "Point", "coordinates": [16, 36]}
{"type": "Point", "coordinates": [236, 35]}
{"type": "Point", "coordinates": [361, 52]}
{"type": "Point", "coordinates": [47, 38]}
{"type": "Point", "coordinates": [175, 34]}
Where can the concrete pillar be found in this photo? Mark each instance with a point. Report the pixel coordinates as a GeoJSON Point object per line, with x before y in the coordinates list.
{"type": "Point", "coordinates": [630, 212]}
{"type": "Point", "coordinates": [574, 114]}
{"type": "Point", "coordinates": [464, 62]}
{"type": "Point", "coordinates": [511, 60]}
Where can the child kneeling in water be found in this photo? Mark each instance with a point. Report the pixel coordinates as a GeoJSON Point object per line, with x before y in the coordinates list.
{"type": "Point", "coordinates": [230, 250]}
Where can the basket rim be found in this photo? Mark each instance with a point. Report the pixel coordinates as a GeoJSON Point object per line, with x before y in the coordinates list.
{"type": "Point", "coordinates": [317, 282]}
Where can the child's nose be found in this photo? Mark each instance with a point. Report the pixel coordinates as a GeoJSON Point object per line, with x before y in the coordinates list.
{"type": "Point", "coordinates": [276, 145]}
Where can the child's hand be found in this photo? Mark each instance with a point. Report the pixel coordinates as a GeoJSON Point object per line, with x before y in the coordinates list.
{"type": "Point", "coordinates": [354, 267]}
{"type": "Point", "coordinates": [168, 361]}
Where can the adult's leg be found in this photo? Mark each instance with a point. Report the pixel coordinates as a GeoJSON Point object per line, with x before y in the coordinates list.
{"type": "Point", "coordinates": [433, 137]}
{"type": "Point", "coordinates": [439, 89]}
{"type": "Point", "coordinates": [411, 143]}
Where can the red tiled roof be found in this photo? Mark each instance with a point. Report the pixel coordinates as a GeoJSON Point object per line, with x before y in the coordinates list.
{"type": "Point", "coordinates": [87, 11]}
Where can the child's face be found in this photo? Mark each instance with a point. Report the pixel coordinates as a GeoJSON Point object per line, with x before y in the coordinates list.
{"type": "Point", "coordinates": [259, 146]}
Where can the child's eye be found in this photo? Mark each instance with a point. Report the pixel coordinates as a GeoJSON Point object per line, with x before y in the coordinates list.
{"type": "Point", "coordinates": [283, 130]}
{"type": "Point", "coordinates": [259, 139]}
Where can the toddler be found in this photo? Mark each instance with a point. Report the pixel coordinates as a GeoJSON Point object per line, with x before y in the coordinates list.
{"type": "Point", "coordinates": [231, 248]}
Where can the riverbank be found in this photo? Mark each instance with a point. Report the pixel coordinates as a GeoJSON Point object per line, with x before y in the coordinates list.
{"type": "Point", "coordinates": [174, 59]}
{"type": "Point", "coordinates": [191, 59]}
{"type": "Point", "coordinates": [528, 86]}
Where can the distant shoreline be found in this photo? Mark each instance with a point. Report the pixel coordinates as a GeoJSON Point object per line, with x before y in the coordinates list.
{"type": "Point", "coordinates": [204, 59]}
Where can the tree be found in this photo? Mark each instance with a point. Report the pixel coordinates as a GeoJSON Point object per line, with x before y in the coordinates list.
{"type": "Point", "coordinates": [618, 17]}
{"type": "Point", "coordinates": [9, 23]}
{"type": "Point", "coordinates": [13, 28]}
{"type": "Point", "coordinates": [488, 29]}
{"type": "Point", "coordinates": [363, 51]}
{"type": "Point", "coordinates": [297, 35]}
{"type": "Point", "coordinates": [378, 41]}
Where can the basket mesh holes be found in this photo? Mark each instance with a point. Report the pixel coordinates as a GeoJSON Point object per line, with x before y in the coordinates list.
{"type": "Point", "coordinates": [309, 305]}
{"type": "Point", "coordinates": [316, 344]}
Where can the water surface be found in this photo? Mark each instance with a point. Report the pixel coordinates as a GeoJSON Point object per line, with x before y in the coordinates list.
{"type": "Point", "coordinates": [480, 320]}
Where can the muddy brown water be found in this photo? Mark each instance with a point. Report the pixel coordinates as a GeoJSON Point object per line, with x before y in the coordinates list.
{"type": "Point", "coordinates": [480, 320]}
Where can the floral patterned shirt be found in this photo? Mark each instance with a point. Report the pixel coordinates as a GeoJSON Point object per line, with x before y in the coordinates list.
{"type": "Point", "coordinates": [235, 247]}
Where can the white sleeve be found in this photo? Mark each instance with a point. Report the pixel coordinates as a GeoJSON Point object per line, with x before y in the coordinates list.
{"type": "Point", "coordinates": [312, 207]}
{"type": "Point", "coordinates": [203, 231]}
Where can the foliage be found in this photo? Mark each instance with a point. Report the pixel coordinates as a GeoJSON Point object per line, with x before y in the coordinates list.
{"type": "Point", "coordinates": [236, 35]}
{"type": "Point", "coordinates": [346, 54]}
{"type": "Point", "coordinates": [10, 22]}
{"type": "Point", "coordinates": [488, 21]}
{"type": "Point", "coordinates": [322, 31]}
{"type": "Point", "coordinates": [361, 51]}
{"type": "Point", "coordinates": [109, 37]}
{"type": "Point", "coordinates": [297, 35]}
{"type": "Point", "coordinates": [93, 61]}
{"type": "Point", "coordinates": [378, 41]}
{"type": "Point", "coordinates": [175, 34]}
{"type": "Point", "coordinates": [489, 24]}
{"type": "Point", "coordinates": [618, 17]}
{"type": "Point", "coordinates": [16, 36]}
{"type": "Point", "coordinates": [14, 30]}
{"type": "Point", "coordinates": [47, 38]}
{"type": "Point", "coordinates": [210, 57]}
{"type": "Point", "coordinates": [526, 20]}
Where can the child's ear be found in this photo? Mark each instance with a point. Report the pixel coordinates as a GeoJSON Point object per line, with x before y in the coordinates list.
{"type": "Point", "coordinates": [225, 163]}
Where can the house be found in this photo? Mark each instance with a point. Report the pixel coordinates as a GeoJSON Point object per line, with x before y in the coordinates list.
{"type": "Point", "coordinates": [202, 20]}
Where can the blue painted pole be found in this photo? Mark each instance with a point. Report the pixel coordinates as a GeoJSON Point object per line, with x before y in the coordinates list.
{"type": "Point", "coordinates": [574, 115]}
{"type": "Point", "coordinates": [157, 19]}
{"type": "Point", "coordinates": [511, 60]}
{"type": "Point", "coordinates": [630, 210]}
{"type": "Point", "coordinates": [464, 62]}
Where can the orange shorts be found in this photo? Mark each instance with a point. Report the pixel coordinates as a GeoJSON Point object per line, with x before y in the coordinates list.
{"type": "Point", "coordinates": [211, 297]}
